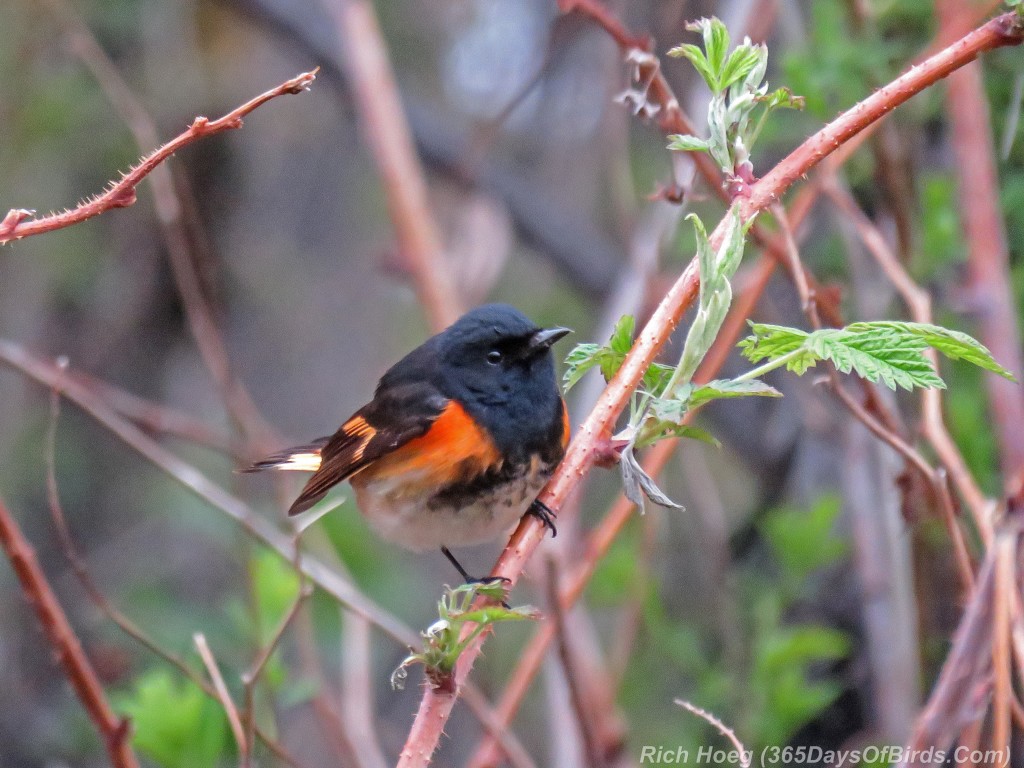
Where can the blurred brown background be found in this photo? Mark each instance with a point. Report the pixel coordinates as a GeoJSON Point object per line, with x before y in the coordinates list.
{"type": "Point", "coordinates": [539, 183]}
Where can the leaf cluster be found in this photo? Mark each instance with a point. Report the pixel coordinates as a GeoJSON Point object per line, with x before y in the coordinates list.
{"type": "Point", "coordinates": [740, 100]}
{"type": "Point", "coordinates": [608, 358]}
{"type": "Point", "coordinates": [443, 642]}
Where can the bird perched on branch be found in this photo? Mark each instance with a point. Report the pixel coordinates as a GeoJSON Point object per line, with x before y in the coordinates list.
{"type": "Point", "coordinates": [460, 436]}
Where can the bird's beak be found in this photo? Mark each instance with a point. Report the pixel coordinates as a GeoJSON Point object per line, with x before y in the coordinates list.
{"type": "Point", "coordinates": [544, 338]}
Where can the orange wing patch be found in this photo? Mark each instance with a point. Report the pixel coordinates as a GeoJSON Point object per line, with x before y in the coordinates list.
{"type": "Point", "coordinates": [454, 448]}
{"type": "Point", "coordinates": [357, 426]}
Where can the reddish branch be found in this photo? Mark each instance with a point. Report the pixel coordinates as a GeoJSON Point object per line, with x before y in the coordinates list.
{"type": "Point", "coordinates": [435, 707]}
{"type": "Point", "coordinates": [260, 528]}
{"type": "Point", "coordinates": [604, 534]}
{"type": "Point", "coordinates": [387, 132]}
{"type": "Point", "coordinates": [114, 730]}
{"type": "Point", "coordinates": [19, 223]}
{"type": "Point", "coordinates": [990, 287]}
{"type": "Point", "coordinates": [999, 32]}
{"type": "Point", "coordinates": [615, 28]}
{"type": "Point", "coordinates": [171, 201]}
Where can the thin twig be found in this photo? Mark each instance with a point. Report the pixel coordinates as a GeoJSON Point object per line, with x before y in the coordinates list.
{"type": "Point", "coordinates": [170, 207]}
{"type": "Point", "coordinates": [113, 730]}
{"type": "Point", "coordinates": [120, 193]}
{"type": "Point", "coordinates": [571, 672]}
{"type": "Point", "coordinates": [968, 660]}
{"type": "Point", "coordinates": [223, 695]}
{"type": "Point", "coordinates": [743, 755]}
{"type": "Point", "coordinates": [1005, 547]}
{"type": "Point", "coordinates": [990, 284]}
{"type": "Point", "coordinates": [357, 696]}
{"type": "Point", "coordinates": [259, 527]}
{"type": "Point", "coordinates": [159, 419]}
{"type": "Point", "coordinates": [100, 600]}
{"type": "Point", "coordinates": [252, 675]}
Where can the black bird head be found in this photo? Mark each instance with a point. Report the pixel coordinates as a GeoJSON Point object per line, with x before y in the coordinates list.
{"type": "Point", "coordinates": [498, 364]}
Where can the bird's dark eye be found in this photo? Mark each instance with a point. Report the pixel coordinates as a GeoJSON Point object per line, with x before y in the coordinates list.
{"type": "Point", "coordinates": [494, 357]}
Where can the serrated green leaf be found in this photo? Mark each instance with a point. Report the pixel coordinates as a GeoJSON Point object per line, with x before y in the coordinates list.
{"type": "Point", "coordinates": [782, 98]}
{"type": "Point", "coordinates": [896, 359]}
{"type": "Point", "coordinates": [891, 353]}
{"type": "Point", "coordinates": [696, 57]}
{"type": "Point", "coordinates": [771, 341]}
{"type": "Point", "coordinates": [727, 388]}
{"type": "Point", "coordinates": [609, 358]}
{"type": "Point", "coordinates": [716, 43]}
{"type": "Point", "coordinates": [684, 143]}
{"type": "Point", "coordinates": [581, 359]}
{"type": "Point", "coordinates": [622, 335]}
{"type": "Point", "coordinates": [953, 344]}
{"type": "Point", "coordinates": [739, 65]}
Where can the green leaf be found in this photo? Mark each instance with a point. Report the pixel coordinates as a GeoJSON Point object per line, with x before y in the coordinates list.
{"type": "Point", "coordinates": [727, 388]}
{"type": "Point", "coordinates": [782, 98]}
{"type": "Point", "coordinates": [804, 540]}
{"type": "Point", "coordinates": [716, 43]}
{"type": "Point", "coordinates": [688, 431]}
{"type": "Point", "coordinates": [622, 336]}
{"type": "Point", "coordinates": [175, 724]}
{"type": "Point", "coordinates": [716, 270]}
{"type": "Point", "coordinates": [657, 376]}
{"type": "Point", "coordinates": [740, 64]}
{"type": "Point", "coordinates": [696, 57]}
{"type": "Point", "coordinates": [886, 351]}
{"type": "Point", "coordinates": [895, 359]}
{"type": "Point", "coordinates": [771, 341]}
{"type": "Point", "coordinates": [581, 359]}
{"type": "Point", "coordinates": [609, 357]}
{"type": "Point", "coordinates": [667, 421]}
{"type": "Point", "coordinates": [685, 143]}
{"type": "Point", "coordinates": [953, 344]}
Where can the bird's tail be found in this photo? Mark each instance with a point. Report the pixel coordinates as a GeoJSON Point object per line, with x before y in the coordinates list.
{"type": "Point", "coordinates": [301, 458]}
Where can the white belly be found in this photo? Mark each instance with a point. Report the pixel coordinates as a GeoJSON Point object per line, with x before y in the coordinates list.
{"type": "Point", "coordinates": [413, 522]}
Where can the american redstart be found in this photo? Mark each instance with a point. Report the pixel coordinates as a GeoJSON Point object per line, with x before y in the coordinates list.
{"type": "Point", "coordinates": [460, 436]}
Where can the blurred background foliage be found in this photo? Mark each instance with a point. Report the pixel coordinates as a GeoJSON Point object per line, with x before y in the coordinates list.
{"type": "Point", "coordinates": [751, 603]}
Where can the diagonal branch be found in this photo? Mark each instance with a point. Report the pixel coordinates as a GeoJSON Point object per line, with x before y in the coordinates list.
{"type": "Point", "coordinates": [436, 706]}
{"type": "Point", "coordinates": [68, 648]}
{"type": "Point", "coordinates": [259, 527]}
{"type": "Point", "coordinates": [120, 193]}
{"type": "Point", "coordinates": [387, 132]}
{"type": "Point", "coordinates": [171, 200]}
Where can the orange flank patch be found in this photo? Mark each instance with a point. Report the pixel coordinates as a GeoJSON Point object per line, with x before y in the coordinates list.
{"type": "Point", "coordinates": [566, 426]}
{"type": "Point", "coordinates": [454, 448]}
